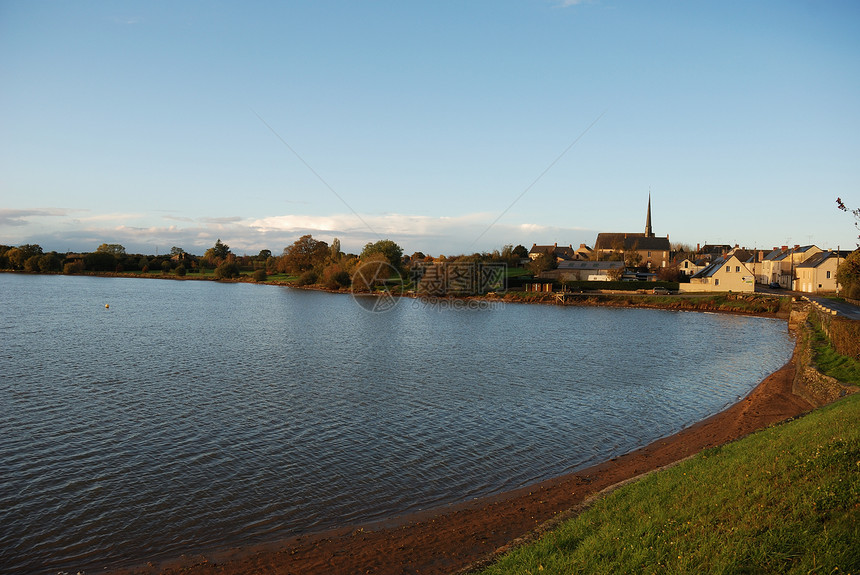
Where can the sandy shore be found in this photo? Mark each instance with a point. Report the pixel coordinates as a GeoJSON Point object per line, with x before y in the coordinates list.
{"type": "Point", "coordinates": [456, 538]}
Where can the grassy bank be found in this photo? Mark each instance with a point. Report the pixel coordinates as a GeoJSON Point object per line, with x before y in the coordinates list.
{"type": "Point", "coordinates": [827, 360]}
{"type": "Point", "coordinates": [784, 500]}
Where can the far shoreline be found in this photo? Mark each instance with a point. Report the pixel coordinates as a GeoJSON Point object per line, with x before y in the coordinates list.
{"type": "Point", "coordinates": [595, 298]}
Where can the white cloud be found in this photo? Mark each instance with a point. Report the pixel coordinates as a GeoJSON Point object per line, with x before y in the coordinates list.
{"type": "Point", "coordinates": [22, 217]}
{"type": "Point", "coordinates": [140, 233]}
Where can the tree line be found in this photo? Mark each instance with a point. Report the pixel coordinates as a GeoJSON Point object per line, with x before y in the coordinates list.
{"type": "Point", "coordinates": [308, 260]}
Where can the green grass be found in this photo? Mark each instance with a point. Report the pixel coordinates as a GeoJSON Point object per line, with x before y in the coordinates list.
{"type": "Point", "coordinates": [784, 500]}
{"type": "Point", "coordinates": [828, 361]}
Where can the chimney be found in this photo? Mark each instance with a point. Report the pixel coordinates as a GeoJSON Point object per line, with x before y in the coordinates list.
{"type": "Point", "coordinates": [796, 246]}
{"type": "Point", "coordinates": [784, 248]}
{"type": "Point", "coordinates": [698, 248]}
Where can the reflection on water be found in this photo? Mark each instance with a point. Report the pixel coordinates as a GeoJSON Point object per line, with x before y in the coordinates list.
{"type": "Point", "coordinates": [193, 415]}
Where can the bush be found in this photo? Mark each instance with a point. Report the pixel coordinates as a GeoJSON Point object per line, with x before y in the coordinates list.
{"type": "Point", "coordinates": [227, 271]}
{"type": "Point", "coordinates": [31, 264]}
{"type": "Point", "coordinates": [260, 276]}
{"type": "Point", "coordinates": [180, 270]}
{"type": "Point", "coordinates": [50, 263]}
{"type": "Point", "coordinates": [335, 277]}
{"type": "Point", "coordinates": [845, 337]}
{"type": "Point", "coordinates": [75, 267]}
{"type": "Point", "coordinates": [307, 278]}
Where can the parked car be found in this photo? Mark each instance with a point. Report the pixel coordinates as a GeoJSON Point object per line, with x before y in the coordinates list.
{"type": "Point", "coordinates": [774, 285]}
{"type": "Point", "coordinates": [660, 291]}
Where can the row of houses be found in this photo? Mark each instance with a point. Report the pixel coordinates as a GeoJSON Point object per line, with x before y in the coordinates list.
{"type": "Point", "coordinates": [806, 269]}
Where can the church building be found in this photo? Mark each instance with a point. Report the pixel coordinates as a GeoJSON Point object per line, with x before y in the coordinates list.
{"type": "Point", "coordinates": [654, 251]}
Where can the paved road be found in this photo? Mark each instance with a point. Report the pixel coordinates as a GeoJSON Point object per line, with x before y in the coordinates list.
{"type": "Point", "coordinates": [844, 309]}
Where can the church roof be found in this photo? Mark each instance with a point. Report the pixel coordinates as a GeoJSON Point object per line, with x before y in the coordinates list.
{"type": "Point", "coordinates": [628, 241]}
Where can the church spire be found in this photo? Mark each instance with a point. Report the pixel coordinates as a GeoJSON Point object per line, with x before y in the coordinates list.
{"type": "Point", "coordinates": [648, 232]}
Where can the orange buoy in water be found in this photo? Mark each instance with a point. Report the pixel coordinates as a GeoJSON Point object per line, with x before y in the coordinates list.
{"type": "Point", "coordinates": [107, 306]}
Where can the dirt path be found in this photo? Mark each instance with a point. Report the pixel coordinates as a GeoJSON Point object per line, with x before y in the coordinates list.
{"type": "Point", "coordinates": [452, 539]}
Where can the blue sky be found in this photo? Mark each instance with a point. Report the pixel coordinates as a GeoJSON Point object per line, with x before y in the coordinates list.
{"type": "Point", "coordinates": [445, 126]}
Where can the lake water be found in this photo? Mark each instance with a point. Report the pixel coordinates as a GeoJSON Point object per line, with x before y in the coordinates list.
{"type": "Point", "coordinates": [194, 415]}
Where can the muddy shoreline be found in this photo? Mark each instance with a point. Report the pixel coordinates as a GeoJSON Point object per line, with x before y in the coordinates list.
{"type": "Point", "coordinates": [459, 537]}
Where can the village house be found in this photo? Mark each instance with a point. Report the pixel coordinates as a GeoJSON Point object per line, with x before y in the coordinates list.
{"type": "Point", "coordinates": [654, 252]}
{"type": "Point", "coordinates": [779, 265]}
{"type": "Point", "coordinates": [817, 274]}
{"type": "Point", "coordinates": [586, 271]}
{"type": "Point", "coordinates": [689, 268]}
{"type": "Point", "coordinates": [561, 253]}
{"type": "Point", "coordinates": [726, 273]}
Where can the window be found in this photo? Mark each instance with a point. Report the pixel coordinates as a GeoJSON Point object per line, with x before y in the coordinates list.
{"type": "Point", "coordinates": [649, 254]}
{"type": "Point", "coordinates": [728, 269]}
{"type": "Point", "coordinates": [738, 269]}
{"type": "Point", "coordinates": [828, 274]}
{"type": "Point", "coordinates": [717, 281]}
{"type": "Point", "coordinates": [687, 265]}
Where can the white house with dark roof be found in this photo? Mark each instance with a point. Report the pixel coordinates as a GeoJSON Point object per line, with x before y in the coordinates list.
{"type": "Point", "coordinates": [817, 274]}
{"type": "Point", "coordinates": [727, 273]}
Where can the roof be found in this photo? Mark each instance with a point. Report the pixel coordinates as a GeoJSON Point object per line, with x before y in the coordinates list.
{"type": "Point", "coordinates": [772, 255]}
{"type": "Point", "coordinates": [590, 265]}
{"type": "Point", "coordinates": [609, 241]}
{"type": "Point", "coordinates": [713, 268]}
{"type": "Point", "coordinates": [565, 252]}
{"type": "Point", "coordinates": [816, 260]}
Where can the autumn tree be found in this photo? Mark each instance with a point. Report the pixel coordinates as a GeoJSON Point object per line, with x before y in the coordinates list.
{"type": "Point", "coordinates": [335, 250]}
{"type": "Point", "coordinates": [374, 270]}
{"type": "Point", "coordinates": [303, 255]}
{"type": "Point", "coordinates": [392, 252]}
{"type": "Point", "coordinates": [115, 249]}
{"type": "Point", "coordinates": [848, 273]}
{"type": "Point", "coordinates": [217, 254]}
{"type": "Point", "coordinates": [542, 263]}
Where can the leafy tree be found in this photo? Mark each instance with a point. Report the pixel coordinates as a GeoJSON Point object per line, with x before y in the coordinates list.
{"type": "Point", "coordinates": [372, 271]}
{"type": "Point", "coordinates": [335, 250]}
{"type": "Point", "coordinates": [542, 263]}
{"type": "Point", "coordinates": [180, 270]}
{"type": "Point", "coordinates": [74, 267]}
{"type": "Point", "coordinates": [521, 252]}
{"type": "Point", "coordinates": [227, 270]}
{"type": "Point", "coordinates": [217, 254]}
{"type": "Point", "coordinates": [115, 249]}
{"type": "Point", "coordinates": [50, 263]}
{"type": "Point", "coordinates": [335, 277]}
{"type": "Point", "coordinates": [100, 262]}
{"type": "Point", "coordinates": [307, 278]}
{"type": "Point", "coordinates": [392, 252]}
{"type": "Point", "coordinates": [848, 275]}
{"type": "Point", "coordinates": [177, 251]}
{"type": "Point", "coordinates": [305, 254]}
{"type": "Point", "coordinates": [264, 255]}
{"type": "Point", "coordinates": [632, 258]}
{"type": "Point", "coordinates": [17, 256]}
{"type": "Point", "coordinates": [32, 264]}
{"type": "Point", "coordinates": [259, 275]}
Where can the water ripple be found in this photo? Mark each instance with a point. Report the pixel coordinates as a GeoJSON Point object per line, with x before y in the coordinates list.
{"type": "Point", "coordinates": [193, 415]}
